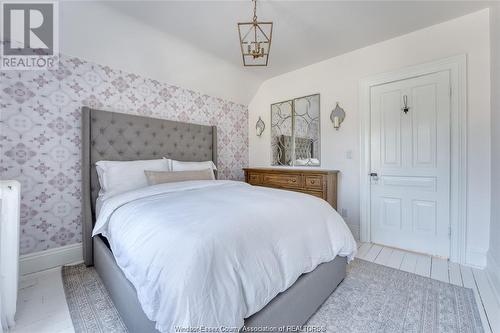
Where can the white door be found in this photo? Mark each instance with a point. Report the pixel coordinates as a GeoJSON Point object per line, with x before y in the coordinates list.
{"type": "Point", "coordinates": [410, 164]}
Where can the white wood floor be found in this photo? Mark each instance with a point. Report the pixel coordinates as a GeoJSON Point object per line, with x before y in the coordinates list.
{"type": "Point", "coordinates": [42, 305]}
{"type": "Point", "coordinates": [443, 270]}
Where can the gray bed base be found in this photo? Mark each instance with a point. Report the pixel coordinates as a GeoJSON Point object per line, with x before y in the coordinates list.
{"type": "Point", "coordinates": [117, 136]}
{"type": "Point", "coordinates": [293, 307]}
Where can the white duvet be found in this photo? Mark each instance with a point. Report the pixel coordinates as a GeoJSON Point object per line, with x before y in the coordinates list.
{"type": "Point", "coordinates": [211, 253]}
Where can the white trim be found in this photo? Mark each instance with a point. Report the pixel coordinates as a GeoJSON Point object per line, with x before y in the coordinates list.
{"type": "Point", "coordinates": [40, 261]}
{"type": "Point", "coordinates": [493, 273]}
{"type": "Point", "coordinates": [476, 258]}
{"type": "Point", "coordinates": [457, 66]}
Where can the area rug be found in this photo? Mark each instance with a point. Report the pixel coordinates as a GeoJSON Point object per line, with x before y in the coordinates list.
{"type": "Point", "coordinates": [372, 298]}
{"type": "Point", "coordinates": [90, 306]}
{"type": "Point", "coordinates": [375, 298]}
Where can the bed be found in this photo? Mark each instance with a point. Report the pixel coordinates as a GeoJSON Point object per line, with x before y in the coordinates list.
{"type": "Point", "coordinates": [117, 136]}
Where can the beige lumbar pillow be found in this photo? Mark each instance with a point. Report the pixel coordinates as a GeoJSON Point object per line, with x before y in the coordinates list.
{"type": "Point", "coordinates": [160, 177]}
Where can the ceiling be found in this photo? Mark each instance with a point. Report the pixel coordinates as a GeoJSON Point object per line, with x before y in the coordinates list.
{"type": "Point", "coordinates": [304, 32]}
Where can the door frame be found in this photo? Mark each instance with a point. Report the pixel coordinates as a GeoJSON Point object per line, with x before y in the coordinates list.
{"type": "Point", "coordinates": [457, 67]}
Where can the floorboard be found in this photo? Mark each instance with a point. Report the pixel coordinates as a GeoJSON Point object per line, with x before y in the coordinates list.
{"type": "Point", "coordinates": [491, 306]}
{"type": "Point", "coordinates": [363, 250]}
{"type": "Point", "coordinates": [41, 304]}
{"type": "Point", "coordinates": [423, 266]}
{"type": "Point", "coordinates": [439, 269]}
{"type": "Point", "coordinates": [469, 282]}
{"type": "Point", "coordinates": [455, 275]}
{"type": "Point", "coordinates": [384, 256]}
{"type": "Point", "coordinates": [396, 259]}
{"type": "Point", "coordinates": [373, 253]}
{"type": "Point", "coordinates": [409, 262]}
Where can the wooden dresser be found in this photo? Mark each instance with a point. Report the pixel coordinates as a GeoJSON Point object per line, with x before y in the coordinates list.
{"type": "Point", "coordinates": [320, 183]}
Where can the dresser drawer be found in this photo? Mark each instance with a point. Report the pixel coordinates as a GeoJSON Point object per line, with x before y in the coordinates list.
{"type": "Point", "coordinates": [314, 182]}
{"type": "Point", "coordinates": [255, 178]}
{"type": "Point", "coordinates": [320, 183]}
{"type": "Point", "coordinates": [318, 194]}
{"type": "Point", "coordinates": [282, 180]}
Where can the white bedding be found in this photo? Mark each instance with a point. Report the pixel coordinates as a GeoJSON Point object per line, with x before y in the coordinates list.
{"type": "Point", "coordinates": [211, 253]}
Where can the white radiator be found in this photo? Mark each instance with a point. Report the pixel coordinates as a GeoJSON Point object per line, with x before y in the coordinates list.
{"type": "Point", "coordinates": [10, 200]}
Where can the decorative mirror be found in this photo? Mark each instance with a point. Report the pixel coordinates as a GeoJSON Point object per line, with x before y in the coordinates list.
{"type": "Point", "coordinates": [295, 134]}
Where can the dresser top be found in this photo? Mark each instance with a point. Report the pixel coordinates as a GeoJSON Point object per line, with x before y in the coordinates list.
{"type": "Point", "coordinates": [292, 170]}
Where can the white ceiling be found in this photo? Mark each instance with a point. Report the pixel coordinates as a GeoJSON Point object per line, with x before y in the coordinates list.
{"type": "Point", "coordinates": [305, 32]}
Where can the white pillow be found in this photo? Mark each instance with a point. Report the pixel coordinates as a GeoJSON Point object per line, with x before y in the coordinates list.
{"type": "Point", "coordinates": [307, 161]}
{"type": "Point", "coordinates": [120, 176]}
{"type": "Point", "coordinates": [188, 166]}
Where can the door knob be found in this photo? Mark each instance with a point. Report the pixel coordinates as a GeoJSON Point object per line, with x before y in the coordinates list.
{"type": "Point", "coordinates": [374, 176]}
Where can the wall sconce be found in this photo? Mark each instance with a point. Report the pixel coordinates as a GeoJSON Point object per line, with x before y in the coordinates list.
{"type": "Point", "coordinates": [260, 127]}
{"type": "Point", "coordinates": [337, 116]}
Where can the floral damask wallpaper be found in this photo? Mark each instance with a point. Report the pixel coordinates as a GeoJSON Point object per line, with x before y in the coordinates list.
{"type": "Point", "coordinates": [40, 136]}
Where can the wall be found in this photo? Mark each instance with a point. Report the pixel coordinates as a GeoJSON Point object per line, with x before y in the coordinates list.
{"type": "Point", "coordinates": [337, 79]}
{"type": "Point", "coordinates": [100, 34]}
{"type": "Point", "coordinates": [494, 252]}
{"type": "Point", "coordinates": [40, 139]}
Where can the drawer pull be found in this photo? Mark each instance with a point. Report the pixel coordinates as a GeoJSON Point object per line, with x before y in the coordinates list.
{"type": "Point", "coordinates": [314, 182]}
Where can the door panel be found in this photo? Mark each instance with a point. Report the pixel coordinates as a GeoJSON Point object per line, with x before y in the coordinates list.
{"type": "Point", "coordinates": [424, 126]}
{"type": "Point", "coordinates": [391, 129]}
{"type": "Point", "coordinates": [391, 213]}
{"type": "Point", "coordinates": [410, 152]}
{"type": "Point", "coordinates": [424, 215]}
{"type": "Point", "coordinates": [422, 183]}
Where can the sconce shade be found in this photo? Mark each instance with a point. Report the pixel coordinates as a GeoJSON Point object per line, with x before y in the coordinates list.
{"type": "Point", "coordinates": [337, 116]}
{"type": "Point", "coordinates": [260, 126]}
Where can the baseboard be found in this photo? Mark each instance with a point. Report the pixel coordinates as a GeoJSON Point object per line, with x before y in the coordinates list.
{"type": "Point", "coordinates": [475, 258]}
{"type": "Point", "coordinates": [493, 273]}
{"type": "Point", "coordinates": [40, 261]}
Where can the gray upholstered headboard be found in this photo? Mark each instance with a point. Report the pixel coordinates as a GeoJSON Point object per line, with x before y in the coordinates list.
{"type": "Point", "coordinates": [123, 137]}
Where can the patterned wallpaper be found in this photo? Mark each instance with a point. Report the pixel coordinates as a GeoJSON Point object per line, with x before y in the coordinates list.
{"type": "Point", "coordinates": [40, 136]}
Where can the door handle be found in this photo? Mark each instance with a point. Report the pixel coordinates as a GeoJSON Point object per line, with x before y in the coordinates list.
{"type": "Point", "coordinates": [374, 176]}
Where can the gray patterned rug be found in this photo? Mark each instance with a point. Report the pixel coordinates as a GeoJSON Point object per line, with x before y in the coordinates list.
{"type": "Point", "coordinates": [90, 306]}
{"type": "Point", "coordinates": [372, 298]}
{"type": "Point", "coordinates": [375, 298]}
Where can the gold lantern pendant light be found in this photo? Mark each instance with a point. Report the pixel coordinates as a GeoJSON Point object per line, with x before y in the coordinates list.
{"type": "Point", "coordinates": [255, 40]}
